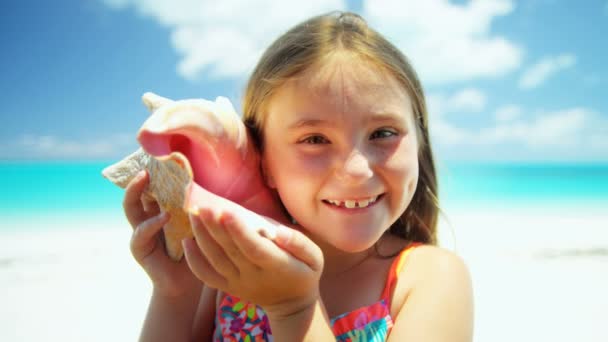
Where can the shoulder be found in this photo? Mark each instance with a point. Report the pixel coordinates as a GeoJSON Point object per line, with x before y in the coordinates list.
{"type": "Point", "coordinates": [435, 288]}
{"type": "Point", "coordinates": [432, 269]}
{"type": "Point", "coordinates": [424, 263]}
{"type": "Point", "coordinates": [428, 263]}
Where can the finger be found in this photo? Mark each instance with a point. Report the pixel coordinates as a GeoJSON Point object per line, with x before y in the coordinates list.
{"type": "Point", "coordinates": [217, 229]}
{"type": "Point", "coordinates": [150, 205]}
{"type": "Point", "coordinates": [132, 201]}
{"type": "Point", "coordinates": [144, 238]}
{"type": "Point", "coordinates": [200, 266]}
{"type": "Point", "coordinates": [259, 250]}
{"type": "Point", "coordinates": [300, 246]}
{"type": "Point", "coordinates": [212, 251]}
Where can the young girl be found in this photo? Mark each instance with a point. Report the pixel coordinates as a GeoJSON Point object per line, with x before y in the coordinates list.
{"type": "Point", "coordinates": [339, 117]}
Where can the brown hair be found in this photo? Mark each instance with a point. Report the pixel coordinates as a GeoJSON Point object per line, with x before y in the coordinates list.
{"type": "Point", "coordinates": [310, 43]}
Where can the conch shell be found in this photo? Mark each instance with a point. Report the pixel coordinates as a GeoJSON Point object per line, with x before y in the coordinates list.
{"type": "Point", "coordinates": [199, 153]}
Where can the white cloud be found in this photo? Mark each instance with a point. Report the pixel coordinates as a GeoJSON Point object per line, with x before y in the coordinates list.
{"type": "Point", "coordinates": [447, 42]}
{"type": "Point", "coordinates": [599, 141]}
{"type": "Point", "coordinates": [465, 100]}
{"type": "Point", "coordinates": [469, 99]}
{"type": "Point", "coordinates": [446, 134]}
{"type": "Point", "coordinates": [224, 38]}
{"type": "Point", "coordinates": [440, 106]}
{"type": "Point", "coordinates": [30, 146]}
{"type": "Point", "coordinates": [508, 113]}
{"type": "Point", "coordinates": [545, 68]}
{"type": "Point", "coordinates": [555, 129]}
{"type": "Point", "coordinates": [569, 134]}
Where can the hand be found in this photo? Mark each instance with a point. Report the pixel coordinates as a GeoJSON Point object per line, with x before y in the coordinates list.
{"type": "Point", "coordinates": [280, 276]}
{"type": "Point", "coordinates": [169, 278]}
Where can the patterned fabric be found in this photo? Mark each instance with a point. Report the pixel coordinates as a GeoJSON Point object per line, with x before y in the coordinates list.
{"type": "Point", "coordinates": [371, 323]}
{"type": "Point", "coordinates": [241, 321]}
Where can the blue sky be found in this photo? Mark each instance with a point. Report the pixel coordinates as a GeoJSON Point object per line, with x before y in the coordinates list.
{"type": "Point", "coordinates": [505, 80]}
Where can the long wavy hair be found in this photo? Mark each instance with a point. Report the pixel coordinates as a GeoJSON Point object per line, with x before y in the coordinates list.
{"type": "Point", "coordinates": [308, 44]}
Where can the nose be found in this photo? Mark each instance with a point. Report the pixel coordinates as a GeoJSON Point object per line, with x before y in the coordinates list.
{"type": "Point", "coordinates": [356, 168]}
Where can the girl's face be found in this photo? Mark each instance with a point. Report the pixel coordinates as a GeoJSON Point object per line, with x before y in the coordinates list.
{"type": "Point", "coordinates": [340, 148]}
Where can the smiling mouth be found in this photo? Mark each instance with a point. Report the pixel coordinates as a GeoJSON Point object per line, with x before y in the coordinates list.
{"type": "Point", "coordinates": [354, 204]}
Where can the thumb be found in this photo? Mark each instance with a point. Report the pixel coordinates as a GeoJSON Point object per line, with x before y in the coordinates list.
{"type": "Point", "coordinates": [300, 246]}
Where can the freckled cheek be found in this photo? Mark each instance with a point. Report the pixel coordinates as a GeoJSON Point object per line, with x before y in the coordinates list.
{"type": "Point", "coordinates": [298, 170]}
{"type": "Point", "coordinates": [402, 169]}
{"type": "Point", "coordinates": [299, 180]}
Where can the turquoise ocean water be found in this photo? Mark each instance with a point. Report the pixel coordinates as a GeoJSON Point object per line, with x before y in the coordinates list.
{"type": "Point", "coordinates": [31, 189]}
{"type": "Point", "coordinates": [546, 186]}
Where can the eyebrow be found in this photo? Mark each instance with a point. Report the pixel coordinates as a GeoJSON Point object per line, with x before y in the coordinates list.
{"type": "Point", "coordinates": [309, 122]}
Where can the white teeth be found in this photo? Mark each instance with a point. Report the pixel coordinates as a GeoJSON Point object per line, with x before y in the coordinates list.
{"type": "Point", "coordinates": [363, 203]}
{"type": "Point", "coordinates": [350, 204]}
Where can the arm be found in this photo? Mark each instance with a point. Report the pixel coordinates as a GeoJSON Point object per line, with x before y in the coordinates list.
{"type": "Point", "coordinates": [309, 324]}
{"type": "Point", "coordinates": [280, 275]}
{"type": "Point", "coordinates": [170, 318]}
{"type": "Point", "coordinates": [176, 291]}
{"type": "Point", "coordinates": [440, 305]}
{"type": "Point", "coordinates": [204, 321]}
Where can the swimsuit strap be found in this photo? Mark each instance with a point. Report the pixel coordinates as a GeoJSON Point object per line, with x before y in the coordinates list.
{"type": "Point", "coordinates": [395, 270]}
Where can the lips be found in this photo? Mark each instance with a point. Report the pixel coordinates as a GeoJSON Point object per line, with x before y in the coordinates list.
{"type": "Point", "coordinates": [353, 203]}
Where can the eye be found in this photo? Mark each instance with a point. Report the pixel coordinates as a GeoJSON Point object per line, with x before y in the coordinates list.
{"type": "Point", "coordinates": [382, 133]}
{"type": "Point", "coordinates": [314, 140]}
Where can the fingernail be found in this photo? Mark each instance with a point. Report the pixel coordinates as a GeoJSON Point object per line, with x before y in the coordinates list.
{"type": "Point", "coordinates": [204, 214]}
{"type": "Point", "coordinates": [284, 234]}
{"type": "Point", "coordinates": [193, 219]}
{"type": "Point", "coordinates": [193, 210]}
{"type": "Point", "coordinates": [227, 219]}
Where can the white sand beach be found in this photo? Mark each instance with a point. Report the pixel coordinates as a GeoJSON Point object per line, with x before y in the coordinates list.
{"type": "Point", "coordinates": [537, 277]}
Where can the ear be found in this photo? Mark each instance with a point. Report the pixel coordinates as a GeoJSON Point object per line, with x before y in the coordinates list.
{"type": "Point", "coordinates": [267, 175]}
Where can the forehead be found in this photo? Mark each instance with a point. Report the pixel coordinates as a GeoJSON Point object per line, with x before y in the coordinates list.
{"type": "Point", "coordinates": [341, 87]}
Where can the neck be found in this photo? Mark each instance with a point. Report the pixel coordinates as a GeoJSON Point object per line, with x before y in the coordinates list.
{"type": "Point", "coordinates": [337, 261]}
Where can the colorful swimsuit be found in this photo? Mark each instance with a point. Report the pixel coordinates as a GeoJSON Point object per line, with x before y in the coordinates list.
{"type": "Point", "coordinates": [240, 321]}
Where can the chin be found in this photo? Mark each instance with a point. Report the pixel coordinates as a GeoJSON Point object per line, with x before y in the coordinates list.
{"type": "Point", "coordinates": [355, 244]}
